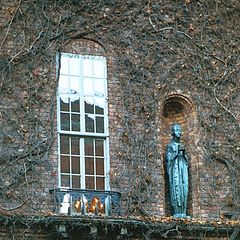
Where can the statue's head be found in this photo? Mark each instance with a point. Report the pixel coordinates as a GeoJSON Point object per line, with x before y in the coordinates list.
{"type": "Point", "coordinates": [176, 130]}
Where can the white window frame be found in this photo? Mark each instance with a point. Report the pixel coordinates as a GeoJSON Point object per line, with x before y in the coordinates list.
{"type": "Point", "coordinates": [82, 134]}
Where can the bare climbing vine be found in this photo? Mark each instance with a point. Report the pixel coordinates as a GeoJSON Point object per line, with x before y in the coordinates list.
{"type": "Point", "coordinates": [159, 46]}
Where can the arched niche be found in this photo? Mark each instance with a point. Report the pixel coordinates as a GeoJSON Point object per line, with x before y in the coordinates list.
{"type": "Point", "coordinates": [177, 108]}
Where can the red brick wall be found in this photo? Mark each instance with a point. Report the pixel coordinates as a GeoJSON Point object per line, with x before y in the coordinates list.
{"type": "Point", "coordinates": [150, 86]}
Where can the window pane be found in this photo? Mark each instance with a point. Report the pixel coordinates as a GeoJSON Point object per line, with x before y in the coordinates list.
{"type": "Point", "coordinates": [76, 182]}
{"type": "Point", "coordinates": [89, 182]}
{"type": "Point", "coordinates": [88, 86]}
{"type": "Point", "coordinates": [99, 106]}
{"type": "Point", "coordinates": [76, 165]}
{"type": "Point", "coordinates": [100, 183]}
{"type": "Point", "coordinates": [65, 120]}
{"type": "Point", "coordinates": [75, 105]}
{"type": "Point", "coordinates": [87, 67]}
{"type": "Point", "coordinates": [65, 164]}
{"type": "Point", "coordinates": [75, 85]}
{"type": "Point", "coordinates": [89, 165]}
{"type": "Point", "coordinates": [89, 123]}
{"type": "Point", "coordinates": [98, 68]}
{"type": "Point", "coordinates": [100, 166]}
{"type": "Point", "coordinates": [64, 103]}
{"type": "Point", "coordinates": [89, 105]}
{"type": "Point", "coordinates": [75, 122]}
{"type": "Point", "coordinates": [99, 148]}
{"type": "Point", "coordinates": [65, 181]}
{"type": "Point", "coordinates": [100, 124]}
{"type": "Point", "coordinates": [75, 146]}
{"type": "Point", "coordinates": [64, 144]}
{"type": "Point", "coordinates": [63, 86]}
{"type": "Point", "coordinates": [99, 87]}
{"type": "Point", "coordinates": [74, 65]}
{"type": "Point", "coordinates": [64, 65]}
{"type": "Point", "coordinates": [88, 147]}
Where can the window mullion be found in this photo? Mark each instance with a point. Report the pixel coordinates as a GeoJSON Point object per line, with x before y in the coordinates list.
{"type": "Point", "coordinates": [106, 163]}
{"type": "Point", "coordinates": [82, 163]}
{"type": "Point", "coordinates": [82, 107]}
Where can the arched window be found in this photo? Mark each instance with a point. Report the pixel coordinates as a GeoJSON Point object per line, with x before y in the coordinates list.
{"type": "Point", "coordinates": [82, 121]}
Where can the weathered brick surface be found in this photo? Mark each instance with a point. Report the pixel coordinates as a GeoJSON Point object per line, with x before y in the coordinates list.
{"type": "Point", "coordinates": [153, 81]}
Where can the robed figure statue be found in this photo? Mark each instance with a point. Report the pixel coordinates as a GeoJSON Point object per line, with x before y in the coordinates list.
{"type": "Point", "coordinates": [177, 169]}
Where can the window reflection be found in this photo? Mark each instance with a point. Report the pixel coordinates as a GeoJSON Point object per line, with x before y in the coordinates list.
{"type": "Point", "coordinates": [89, 182]}
{"type": "Point", "coordinates": [89, 123]}
{"type": "Point", "coordinates": [82, 98]}
{"type": "Point", "coordinates": [100, 183]}
{"type": "Point", "coordinates": [75, 105]}
{"type": "Point", "coordinates": [99, 149]}
{"type": "Point", "coordinates": [75, 149]}
{"type": "Point", "coordinates": [98, 69]}
{"type": "Point", "coordinates": [88, 149]}
{"type": "Point", "coordinates": [99, 106]}
{"type": "Point", "coordinates": [64, 105]}
{"type": "Point", "coordinates": [75, 122]}
{"type": "Point", "coordinates": [64, 65]}
{"type": "Point", "coordinates": [89, 106]}
{"type": "Point", "coordinates": [65, 180]}
{"type": "Point", "coordinates": [87, 67]}
{"type": "Point", "coordinates": [99, 124]}
{"type": "Point", "coordinates": [75, 87]}
{"type": "Point", "coordinates": [75, 165]}
{"type": "Point", "coordinates": [65, 164]}
{"type": "Point", "coordinates": [63, 85]}
{"type": "Point", "coordinates": [76, 182]}
{"type": "Point", "coordinates": [99, 87]}
{"type": "Point", "coordinates": [88, 86]}
{"type": "Point", "coordinates": [74, 66]}
{"type": "Point", "coordinates": [99, 166]}
{"type": "Point", "coordinates": [64, 145]}
{"type": "Point", "coordinates": [89, 165]}
{"type": "Point", "coordinates": [65, 121]}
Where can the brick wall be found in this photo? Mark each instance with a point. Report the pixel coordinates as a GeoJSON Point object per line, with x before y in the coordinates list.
{"type": "Point", "coordinates": [148, 90]}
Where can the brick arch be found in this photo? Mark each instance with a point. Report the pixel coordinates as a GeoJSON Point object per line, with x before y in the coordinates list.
{"type": "Point", "coordinates": [177, 108]}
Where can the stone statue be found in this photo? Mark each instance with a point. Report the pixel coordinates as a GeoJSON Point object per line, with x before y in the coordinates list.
{"type": "Point", "coordinates": [177, 169]}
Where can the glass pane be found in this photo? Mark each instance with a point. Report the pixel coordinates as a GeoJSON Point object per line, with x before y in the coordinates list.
{"type": "Point", "coordinates": [76, 165]}
{"type": "Point", "coordinates": [63, 86]}
{"type": "Point", "coordinates": [75, 105]}
{"type": "Point", "coordinates": [75, 85]}
{"type": "Point", "coordinates": [65, 181]}
{"type": "Point", "coordinates": [64, 65]}
{"type": "Point", "coordinates": [65, 120]}
{"type": "Point", "coordinates": [76, 182]}
{"type": "Point", "coordinates": [75, 146]}
{"type": "Point", "coordinates": [98, 68]}
{"type": "Point", "coordinates": [89, 165]}
{"type": "Point", "coordinates": [64, 145]}
{"type": "Point", "coordinates": [100, 166]}
{"type": "Point", "coordinates": [88, 147]}
{"type": "Point", "coordinates": [99, 148]}
{"type": "Point", "coordinates": [64, 103]}
{"type": "Point", "coordinates": [75, 122]}
{"type": "Point", "coordinates": [65, 164]}
{"type": "Point", "coordinates": [99, 87]}
{"type": "Point", "coordinates": [87, 67]}
{"type": "Point", "coordinates": [99, 106]}
{"type": "Point", "coordinates": [88, 86]}
{"type": "Point", "coordinates": [100, 183]}
{"type": "Point", "coordinates": [74, 65]}
{"type": "Point", "coordinates": [89, 123]}
{"type": "Point", "coordinates": [89, 105]}
{"type": "Point", "coordinates": [100, 124]}
{"type": "Point", "coordinates": [89, 183]}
